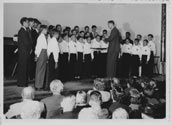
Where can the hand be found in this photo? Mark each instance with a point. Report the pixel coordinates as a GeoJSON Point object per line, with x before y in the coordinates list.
{"type": "Point", "coordinates": [36, 58]}
{"type": "Point", "coordinates": [56, 65]}
{"type": "Point", "coordinates": [30, 51]}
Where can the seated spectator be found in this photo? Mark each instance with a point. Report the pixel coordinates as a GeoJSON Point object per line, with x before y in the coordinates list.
{"type": "Point", "coordinates": [95, 111]}
{"type": "Point", "coordinates": [67, 107]}
{"type": "Point", "coordinates": [52, 103]}
{"type": "Point", "coordinates": [135, 99]}
{"type": "Point", "coordinates": [120, 113]}
{"type": "Point", "coordinates": [100, 86]}
{"type": "Point", "coordinates": [28, 108]}
{"type": "Point", "coordinates": [81, 101]}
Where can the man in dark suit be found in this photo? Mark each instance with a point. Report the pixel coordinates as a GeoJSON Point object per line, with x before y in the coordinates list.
{"type": "Point", "coordinates": [24, 50]}
{"type": "Point", "coordinates": [113, 50]}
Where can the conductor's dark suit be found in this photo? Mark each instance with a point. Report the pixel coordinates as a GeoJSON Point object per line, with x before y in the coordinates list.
{"type": "Point", "coordinates": [24, 48]}
{"type": "Point", "coordinates": [113, 51]}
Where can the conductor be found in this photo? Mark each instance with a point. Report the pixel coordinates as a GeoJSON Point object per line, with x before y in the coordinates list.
{"type": "Point", "coordinates": [113, 50]}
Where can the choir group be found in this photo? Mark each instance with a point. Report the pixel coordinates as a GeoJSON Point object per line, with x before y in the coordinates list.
{"type": "Point", "coordinates": [68, 54]}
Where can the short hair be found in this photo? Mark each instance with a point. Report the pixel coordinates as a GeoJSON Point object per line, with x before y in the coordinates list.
{"type": "Point", "coordinates": [56, 86]}
{"type": "Point", "coordinates": [94, 26]}
{"type": "Point", "coordinates": [98, 35]}
{"type": "Point", "coordinates": [68, 103]}
{"type": "Point", "coordinates": [76, 27]}
{"type": "Point", "coordinates": [105, 30]}
{"type": "Point", "coordinates": [81, 31]}
{"type": "Point", "coordinates": [120, 113]}
{"type": "Point", "coordinates": [37, 21]}
{"type": "Point", "coordinates": [128, 33]}
{"type": "Point", "coordinates": [31, 19]}
{"type": "Point", "coordinates": [81, 97]}
{"type": "Point", "coordinates": [58, 25]}
{"type": "Point", "coordinates": [42, 26]}
{"type": "Point", "coordinates": [23, 19]}
{"type": "Point", "coordinates": [139, 35]}
{"type": "Point", "coordinates": [111, 21]}
{"type": "Point", "coordinates": [151, 35]}
{"type": "Point", "coordinates": [28, 93]}
{"type": "Point", "coordinates": [145, 40]}
{"type": "Point", "coordinates": [68, 28]}
{"type": "Point", "coordinates": [79, 37]}
{"type": "Point", "coordinates": [64, 35]}
{"type": "Point", "coordinates": [136, 39]}
{"type": "Point", "coordinates": [86, 27]}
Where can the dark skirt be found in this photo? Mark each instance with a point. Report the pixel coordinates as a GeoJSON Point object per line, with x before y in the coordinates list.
{"type": "Point", "coordinates": [79, 66]}
{"type": "Point", "coordinates": [72, 66]}
{"type": "Point", "coordinates": [64, 67]}
{"type": "Point", "coordinates": [126, 64]}
{"type": "Point", "coordinates": [103, 60]}
{"type": "Point", "coordinates": [135, 65]}
{"type": "Point", "coordinates": [145, 67]}
{"type": "Point", "coordinates": [87, 66]}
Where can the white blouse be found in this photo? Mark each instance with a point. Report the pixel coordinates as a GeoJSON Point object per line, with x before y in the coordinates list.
{"type": "Point", "coordinates": [41, 44]}
{"type": "Point", "coordinates": [53, 47]}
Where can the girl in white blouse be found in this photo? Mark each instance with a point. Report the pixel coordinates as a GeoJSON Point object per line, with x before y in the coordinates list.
{"type": "Point", "coordinates": [53, 57]}
{"type": "Point", "coordinates": [145, 58]}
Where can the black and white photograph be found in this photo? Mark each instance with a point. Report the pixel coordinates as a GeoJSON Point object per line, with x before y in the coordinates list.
{"type": "Point", "coordinates": [86, 60]}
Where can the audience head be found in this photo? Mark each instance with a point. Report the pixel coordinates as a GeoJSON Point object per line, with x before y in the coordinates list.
{"type": "Point", "coordinates": [94, 28]}
{"type": "Point", "coordinates": [24, 22]}
{"type": "Point", "coordinates": [68, 103]}
{"type": "Point", "coordinates": [56, 87]}
{"type": "Point", "coordinates": [81, 97]}
{"type": "Point", "coordinates": [150, 37]}
{"type": "Point", "coordinates": [32, 110]}
{"type": "Point", "coordinates": [120, 113]}
{"type": "Point", "coordinates": [28, 93]}
{"type": "Point", "coordinates": [145, 42]}
{"type": "Point", "coordinates": [111, 24]}
{"type": "Point", "coordinates": [43, 29]}
{"type": "Point", "coordinates": [95, 99]}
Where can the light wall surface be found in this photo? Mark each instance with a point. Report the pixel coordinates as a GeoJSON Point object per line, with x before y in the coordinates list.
{"type": "Point", "coordinates": [135, 18]}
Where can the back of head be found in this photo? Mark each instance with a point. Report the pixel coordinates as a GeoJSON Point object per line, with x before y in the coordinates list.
{"type": "Point", "coordinates": [68, 103]}
{"type": "Point", "coordinates": [56, 86]}
{"type": "Point", "coordinates": [120, 113]}
{"type": "Point", "coordinates": [28, 93]}
{"type": "Point", "coordinates": [95, 98]}
{"type": "Point", "coordinates": [81, 97]}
